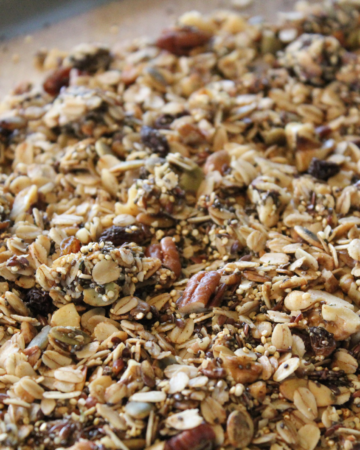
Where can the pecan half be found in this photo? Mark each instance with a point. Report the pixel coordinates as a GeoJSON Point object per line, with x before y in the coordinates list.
{"type": "Point", "coordinates": [198, 291]}
{"type": "Point", "coordinates": [180, 41]}
{"type": "Point", "coordinates": [171, 258]}
{"type": "Point", "coordinates": [56, 80]}
{"type": "Point", "coordinates": [168, 254]}
{"type": "Point", "coordinates": [197, 438]}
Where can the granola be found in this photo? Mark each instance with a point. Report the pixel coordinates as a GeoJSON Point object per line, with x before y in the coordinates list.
{"type": "Point", "coordinates": [180, 240]}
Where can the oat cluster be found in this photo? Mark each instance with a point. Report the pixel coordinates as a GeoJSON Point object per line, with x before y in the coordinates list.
{"type": "Point", "coordinates": [180, 240]}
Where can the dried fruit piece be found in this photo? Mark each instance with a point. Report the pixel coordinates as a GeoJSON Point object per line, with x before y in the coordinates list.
{"type": "Point", "coordinates": [39, 302]}
{"type": "Point", "coordinates": [180, 41]}
{"type": "Point", "coordinates": [240, 428]}
{"type": "Point", "coordinates": [322, 341]}
{"type": "Point", "coordinates": [56, 80]}
{"type": "Point", "coordinates": [90, 57]}
{"type": "Point", "coordinates": [199, 438]}
{"type": "Point", "coordinates": [323, 170]}
{"type": "Point", "coordinates": [155, 140]}
{"type": "Point", "coordinates": [121, 235]}
{"type": "Point", "coordinates": [69, 245]}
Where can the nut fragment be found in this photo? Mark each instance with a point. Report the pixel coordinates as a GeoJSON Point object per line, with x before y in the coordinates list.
{"type": "Point", "coordinates": [198, 437]}
{"type": "Point", "coordinates": [281, 337]}
{"type": "Point", "coordinates": [198, 292]}
{"type": "Point", "coordinates": [180, 41]}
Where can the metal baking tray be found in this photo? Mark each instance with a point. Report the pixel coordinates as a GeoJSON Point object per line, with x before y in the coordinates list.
{"type": "Point", "coordinates": [24, 16]}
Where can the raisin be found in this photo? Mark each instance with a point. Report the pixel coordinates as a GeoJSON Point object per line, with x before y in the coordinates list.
{"type": "Point", "coordinates": [39, 302]}
{"type": "Point", "coordinates": [118, 366]}
{"type": "Point", "coordinates": [164, 121]}
{"type": "Point", "coordinates": [91, 62]}
{"type": "Point", "coordinates": [120, 235]}
{"type": "Point", "coordinates": [199, 438]}
{"type": "Point", "coordinates": [323, 170]}
{"type": "Point", "coordinates": [154, 140]}
{"type": "Point", "coordinates": [322, 341]}
{"type": "Point", "coordinates": [180, 41]}
{"type": "Point", "coordinates": [56, 80]}
{"type": "Point", "coordinates": [69, 245]}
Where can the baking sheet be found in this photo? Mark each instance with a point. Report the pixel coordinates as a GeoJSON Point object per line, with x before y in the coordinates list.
{"type": "Point", "coordinates": [110, 23]}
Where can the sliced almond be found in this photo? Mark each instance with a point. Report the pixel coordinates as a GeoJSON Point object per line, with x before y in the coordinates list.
{"type": "Point", "coordinates": [281, 337]}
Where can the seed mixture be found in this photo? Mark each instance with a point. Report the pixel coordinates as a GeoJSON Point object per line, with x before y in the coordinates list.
{"type": "Point", "coordinates": [180, 240]}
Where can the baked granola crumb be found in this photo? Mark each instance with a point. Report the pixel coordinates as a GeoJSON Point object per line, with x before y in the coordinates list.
{"type": "Point", "coordinates": [180, 240]}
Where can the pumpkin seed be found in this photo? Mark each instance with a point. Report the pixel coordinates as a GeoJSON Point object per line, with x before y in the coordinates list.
{"type": "Point", "coordinates": [93, 298]}
{"type": "Point", "coordinates": [138, 410]}
{"type": "Point", "coordinates": [190, 180]}
{"type": "Point", "coordinates": [240, 428]}
{"type": "Point", "coordinates": [41, 339]}
{"type": "Point", "coordinates": [70, 336]}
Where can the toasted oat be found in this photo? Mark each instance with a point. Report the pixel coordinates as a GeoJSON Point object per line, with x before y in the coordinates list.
{"type": "Point", "coordinates": [180, 240]}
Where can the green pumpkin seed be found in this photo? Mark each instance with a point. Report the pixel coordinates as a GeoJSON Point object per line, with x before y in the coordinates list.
{"type": "Point", "coordinates": [167, 361]}
{"type": "Point", "coordinates": [190, 180]}
{"type": "Point", "coordinates": [138, 410]}
{"type": "Point", "coordinates": [269, 43]}
{"type": "Point", "coordinates": [70, 336]}
{"type": "Point", "coordinates": [93, 298]}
